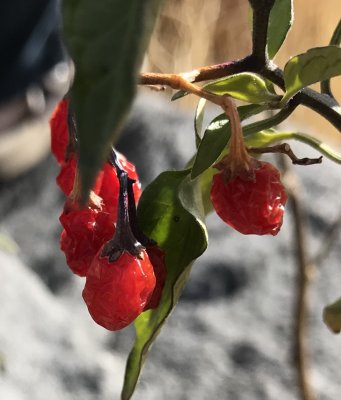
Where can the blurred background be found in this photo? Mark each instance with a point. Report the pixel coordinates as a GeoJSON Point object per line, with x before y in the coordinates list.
{"type": "Point", "coordinates": [186, 37]}
{"type": "Point", "coordinates": [233, 333]}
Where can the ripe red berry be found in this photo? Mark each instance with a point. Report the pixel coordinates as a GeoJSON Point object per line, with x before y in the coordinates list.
{"type": "Point", "coordinates": [157, 259]}
{"type": "Point", "coordinates": [110, 185]}
{"type": "Point", "coordinates": [251, 206]}
{"type": "Point", "coordinates": [84, 233]}
{"type": "Point", "coordinates": [66, 177]}
{"type": "Point", "coordinates": [117, 292]}
{"type": "Point", "coordinates": [59, 130]}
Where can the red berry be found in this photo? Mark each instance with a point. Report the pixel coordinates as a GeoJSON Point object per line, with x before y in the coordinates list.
{"type": "Point", "coordinates": [117, 292]}
{"type": "Point", "coordinates": [59, 130]}
{"type": "Point", "coordinates": [251, 206]}
{"type": "Point", "coordinates": [157, 259]}
{"type": "Point", "coordinates": [84, 233]}
{"type": "Point", "coordinates": [110, 185]}
{"type": "Point", "coordinates": [66, 177]}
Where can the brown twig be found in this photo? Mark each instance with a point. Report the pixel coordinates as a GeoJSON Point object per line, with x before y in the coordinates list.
{"type": "Point", "coordinates": [304, 276]}
{"type": "Point", "coordinates": [320, 103]}
{"type": "Point", "coordinates": [285, 148]}
{"type": "Point", "coordinates": [203, 73]}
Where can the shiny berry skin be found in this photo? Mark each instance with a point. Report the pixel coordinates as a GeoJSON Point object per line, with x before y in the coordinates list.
{"type": "Point", "coordinates": [251, 206]}
{"type": "Point", "coordinates": [157, 259]}
{"type": "Point", "coordinates": [117, 292]}
{"type": "Point", "coordinates": [66, 177]}
{"type": "Point", "coordinates": [59, 130]}
{"type": "Point", "coordinates": [84, 233]}
{"type": "Point", "coordinates": [110, 186]}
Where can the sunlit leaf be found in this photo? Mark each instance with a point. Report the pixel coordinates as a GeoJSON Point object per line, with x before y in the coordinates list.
{"type": "Point", "coordinates": [245, 86]}
{"type": "Point", "coordinates": [106, 40]}
{"type": "Point", "coordinates": [280, 21]}
{"type": "Point", "coordinates": [170, 212]}
{"type": "Point", "coordinates": [315, 65]}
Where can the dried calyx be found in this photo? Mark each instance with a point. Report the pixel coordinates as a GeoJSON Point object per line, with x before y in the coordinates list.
{"type": "Point", "coordinates": [238, 162]}
{"type": "Point", "coordinates": [124, 238]}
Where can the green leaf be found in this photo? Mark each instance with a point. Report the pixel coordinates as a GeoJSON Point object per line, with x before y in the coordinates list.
{"type": "Point", "coordinates": [216, 138]}
{"type": "Point", "coordinates": [198, 120]}
{"type": "Point", "coordinates": [205, 182]}
{"type": "Point", "coordinates": [179, 94]}
{"type": "Point", "coordinates": [245, 86]}
{"type": "Point", "coordinates": [280, 21]}
{"type": "Point", "coordinates": [106, 40]}
{"type": "Point", "coordinates": [170, 211]}
{"type": "Point", "coordinates": [315, 65]}
{"type": "Point", "coordinates": [332, 316]}
{"type": "Point", "coordinates": [267, 137]}
{"type": "Point", "coordinates": [335, 40]}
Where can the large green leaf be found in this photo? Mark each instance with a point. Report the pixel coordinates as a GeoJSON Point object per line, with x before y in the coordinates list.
{"type": "Point", "coordinates": [170, 211]}
{"type": "Point", "coordinates": [106, 40]}
{"type": "Point", "coordinates": [216, 138]}
{"type": "Point", "coordinates": [315, 65]}
{"type": "Point", "coordinates": [332, 316]}
{"type": "Point", "coordinates": [245, 86]}
{"type": "Point", "coordinates": [280, 21]}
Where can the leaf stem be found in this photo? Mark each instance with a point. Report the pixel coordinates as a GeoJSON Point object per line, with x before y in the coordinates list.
{"type": "Point", "coordinates": [271, 121]}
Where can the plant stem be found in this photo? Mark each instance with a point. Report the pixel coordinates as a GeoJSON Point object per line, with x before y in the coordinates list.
{"type": "Point", "coordinates": [304, 276]}
{"type": "Point", "coordinates": [260, 23]}
{"type": "Point", "coordinates": [324, 105]}
{"type": "Point", "coordinates": [284, 148]}
{"type": "Point", "coordinates": [203, 73]}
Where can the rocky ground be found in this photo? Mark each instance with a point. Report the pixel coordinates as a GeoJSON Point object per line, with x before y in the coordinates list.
{"type": "Point", "coordinates": [231, 334]}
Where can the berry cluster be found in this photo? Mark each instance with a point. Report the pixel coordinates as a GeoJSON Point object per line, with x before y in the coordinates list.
{"type": "Point", "coordinates": [124, 277]}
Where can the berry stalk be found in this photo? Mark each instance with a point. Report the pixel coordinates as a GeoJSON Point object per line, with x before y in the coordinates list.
{"type": "Point", "coordinates": [124, 239]}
